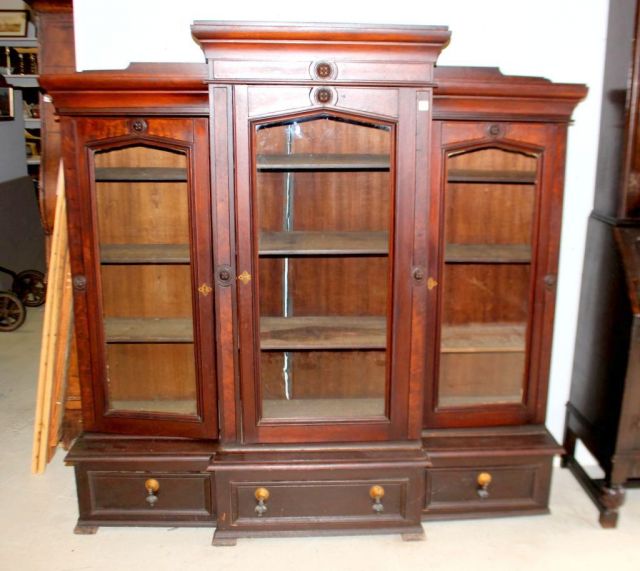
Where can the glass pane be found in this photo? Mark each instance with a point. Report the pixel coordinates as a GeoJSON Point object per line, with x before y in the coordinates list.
{"type": "Point", "coordinates": [489, 214]}
{"type": "Point", "coordinates": [143, 227]}
{"type": "Point", "coordinates": [324, 196]}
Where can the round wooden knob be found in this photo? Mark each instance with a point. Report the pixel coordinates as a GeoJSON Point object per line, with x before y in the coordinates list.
{"type": "Point", "coordinates": [376, 492]}
{"type": "Point", "coordinates": [262, 494]}
{"type": "Point", "coordinates": [152, 485]}
{"type": "Point", "coordinates": [484, 479]}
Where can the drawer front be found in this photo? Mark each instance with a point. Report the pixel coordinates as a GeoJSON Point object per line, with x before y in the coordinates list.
{"type": "Point", "coordinates": [488, 488]}
{"type": "Point", "coordinates": [124, 497]}
{"type": "Point", "coordinates": [318, 500]}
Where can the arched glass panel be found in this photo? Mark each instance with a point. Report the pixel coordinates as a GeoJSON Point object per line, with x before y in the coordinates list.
{"type": "Point", "coordinates": [142, 209]}
{"type": "Point", "coordinates": [323, 207]}
{"type": "Point", "coordinates": [489, 223]}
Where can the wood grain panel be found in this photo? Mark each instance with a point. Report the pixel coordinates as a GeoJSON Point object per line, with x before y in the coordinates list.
{"type": "Point", "coordinates": [146, 290]}
{"type": "Point", "coordinates": [480, 378]}
{"type": "Point", "coordinates": [339, 286]}
{"type": "Point", "coordinates": [154, 374]}
{"type": "Point", "coordinates": [492, 159]}
{"type": "Point", "coordinates": [489, 213]}
{"type": "Point", "coordinates": [485, 293]}
{"type": "Point", "coordinates": [142, 212]}
{"type": "Point", "coordinates": [324, 374]}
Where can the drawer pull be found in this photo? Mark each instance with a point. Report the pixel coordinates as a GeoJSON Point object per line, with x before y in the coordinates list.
{"type": "Point", "coordinates": [377, 493]}
{"type": "Point", "coordinates": [483, 480]}
{"type": "Point", "coordinates": [152, 486]}
{"type": "Point", "coordinates": [261, 495]}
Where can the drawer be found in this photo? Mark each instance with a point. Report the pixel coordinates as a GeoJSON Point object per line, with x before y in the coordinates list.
{"type": "Point", "coordinates": [489, 487]}
{"type": "Point", "coordinates": [258, 501]}
{"type": "Point", "coordinates": [319, 500]}
{"type": "Point", "coordinates": [158, 498]}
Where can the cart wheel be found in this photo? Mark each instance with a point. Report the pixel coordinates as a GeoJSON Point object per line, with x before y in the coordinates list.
{"type": "Point", "coordinates": [12, 312]}
{"type": "Point", "coordinates": [29, 286]}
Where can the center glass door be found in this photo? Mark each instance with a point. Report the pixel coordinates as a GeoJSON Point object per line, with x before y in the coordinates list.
{"type": "Point", "coordinates": [323, 210]}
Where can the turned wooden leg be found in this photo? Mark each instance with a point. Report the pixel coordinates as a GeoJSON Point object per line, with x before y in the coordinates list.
{"type": "Point", "coordinates": [610, 500]}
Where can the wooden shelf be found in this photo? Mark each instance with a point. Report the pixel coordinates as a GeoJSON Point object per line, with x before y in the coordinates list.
{"type": "Point", "coordinates": [322, 333]}
{"type": "Point", "coordinates": [481, 400]}
{"type": "Point", "coordinates": [483, 338]}
{"type": "Point", "coordinates": [495, 177]}
{"type": "Point", "coordinates": [148, 330]}
{"type": "Point", "coordinates": [141, 174]}
{"type": "Point", "coordinates": [322, 162]}
{"type": "Point", "coordinates": [323, 243]}
{"type": "Point", "coordinates": [171, 406]}
{"type": "Point", "coordinates": [488, 253]}
{"type": "Point", "coordinates": [144, 254]}
{"type": "Point", "coordinates": [35, 160]}
{"type": "Point", "coordinates": [323, 408]}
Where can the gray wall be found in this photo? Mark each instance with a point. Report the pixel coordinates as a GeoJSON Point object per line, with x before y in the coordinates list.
{"type": "Point", "coordinates": [12, 153]}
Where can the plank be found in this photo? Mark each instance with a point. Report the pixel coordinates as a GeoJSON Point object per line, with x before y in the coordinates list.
{"type": "Point", "coordinates": [320, 162]}
{"type": "Point", "coordinates": [297, 243]}
{"type": "Point", "coordinates": [144, 174]}
{"type": "Point", "coordinates": [488, 253]}
{"type": "Point", "coordinates": [56, 338]}
{"type": "Point", "coordinates": [144, 253]}
{"type": "Point", "coordinates": [148, 330]}
{"type": "Point", "coordinates": [492, 176]}
{"type": "Point", "coordinates": [322, 332]}
{"type": "Point", "coordinates": [483, 338]}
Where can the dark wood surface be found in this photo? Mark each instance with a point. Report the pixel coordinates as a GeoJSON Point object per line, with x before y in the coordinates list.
{"type": "Point", "coordinates": [605, 393]}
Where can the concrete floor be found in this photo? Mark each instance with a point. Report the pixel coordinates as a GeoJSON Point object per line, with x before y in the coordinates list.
{"type": "Point", "coordinates": [38, 513]}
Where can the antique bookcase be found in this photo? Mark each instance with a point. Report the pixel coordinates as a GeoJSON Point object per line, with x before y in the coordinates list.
{"type": "Point", "coordinates": [314, 283]}
{"type": "Point", "coordinates": [603, 407]}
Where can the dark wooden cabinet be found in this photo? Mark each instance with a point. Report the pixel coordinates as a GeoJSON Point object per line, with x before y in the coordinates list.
{"type": "Point", "coordinates": [331, 264]}
{"type": "Point", "coordinates": [603, 406]}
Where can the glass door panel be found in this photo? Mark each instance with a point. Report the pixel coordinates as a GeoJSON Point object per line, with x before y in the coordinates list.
{"type": "Point", "coordinates": [489, 216]}
{"type": "Point", "coordinates": [142, 204]}
{"type": "Point", "coordinates": [324, 196]}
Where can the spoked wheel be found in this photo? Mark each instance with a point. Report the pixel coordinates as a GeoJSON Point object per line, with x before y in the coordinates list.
{"type": "Point", "coordinates": [12, 311]}
{"type": "Point", "coordinates": [29, 286]}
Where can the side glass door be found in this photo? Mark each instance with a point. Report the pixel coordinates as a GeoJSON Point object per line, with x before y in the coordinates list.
{"type": "Point", "coordinates": [149, 295]}
{"type": "Point", "coordinates": [142, 215]}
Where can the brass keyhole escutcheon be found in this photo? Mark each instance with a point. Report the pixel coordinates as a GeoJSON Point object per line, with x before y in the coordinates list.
{"type": "Point", "coordinates": [245, 277]}
{"type": "Point", "coordinates": [431, 283]}
{"type": "Point", "coordinates": [205, 289]}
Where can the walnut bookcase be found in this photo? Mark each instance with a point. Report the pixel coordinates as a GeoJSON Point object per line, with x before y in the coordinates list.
{"type": "Point", "coordinates": [314, 283]}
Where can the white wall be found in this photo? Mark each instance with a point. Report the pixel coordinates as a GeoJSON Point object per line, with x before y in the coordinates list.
{"type": "Point", "coordinates": [563, 40]}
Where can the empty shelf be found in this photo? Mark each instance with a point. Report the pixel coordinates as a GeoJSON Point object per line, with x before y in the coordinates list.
{"type": "Point", "coordinates": [328, 162]}
{"type": "Point", "coordinates": [322, 333]}
{"type": "Point", "coordinates": [323, 243]}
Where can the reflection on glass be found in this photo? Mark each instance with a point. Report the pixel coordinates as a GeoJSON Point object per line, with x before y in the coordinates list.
{"type": "Point", "coordinates": [143, 230]}
{"type": "Point", "coordinates": [489, 215]}
{"type": "Point", "coordinates": [323, 194]}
